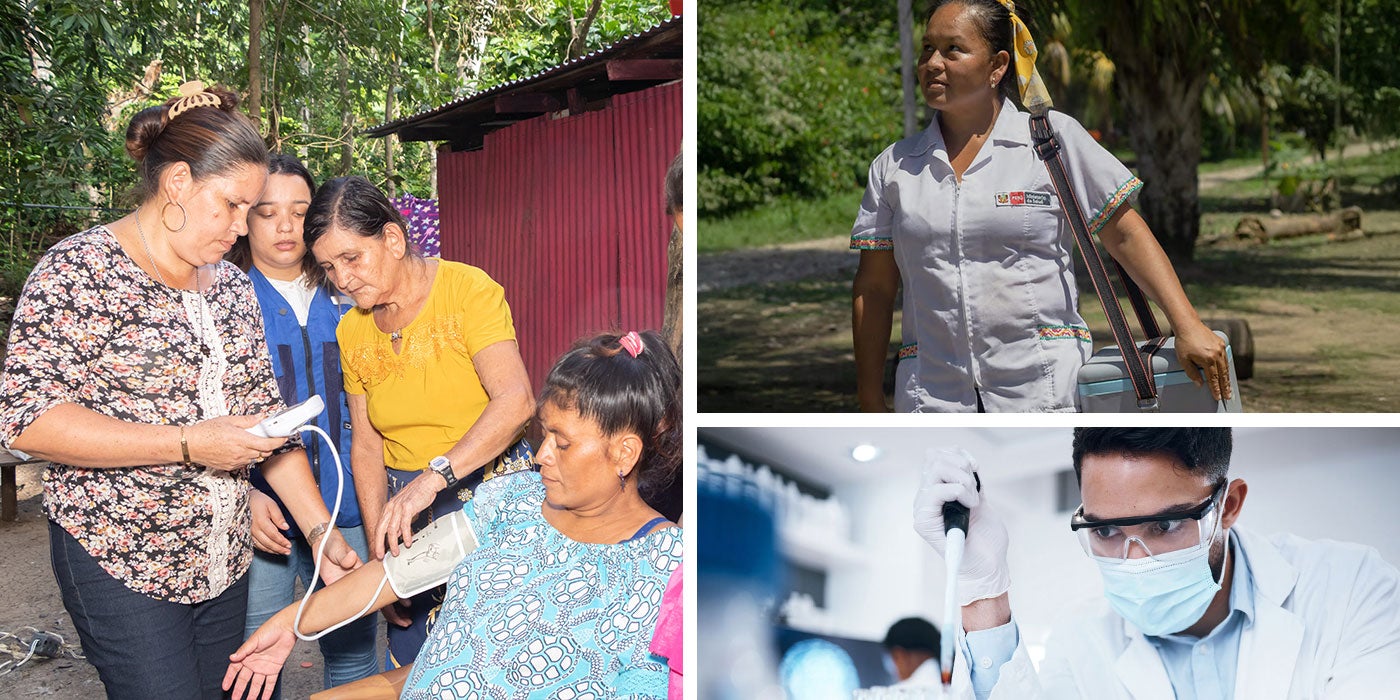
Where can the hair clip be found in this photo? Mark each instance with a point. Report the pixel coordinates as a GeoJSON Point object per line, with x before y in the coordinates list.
{"type": "Point", "coordinates": [632, 343]}
{"type": "Point", "coordinates": [193, 94]}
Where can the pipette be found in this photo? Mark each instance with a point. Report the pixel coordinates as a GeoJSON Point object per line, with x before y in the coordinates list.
{"type": "Point", "coordinates": [955, 521]}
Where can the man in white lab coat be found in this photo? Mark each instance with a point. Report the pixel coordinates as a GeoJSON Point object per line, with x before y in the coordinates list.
{"type": "Point", "coordinates": [1195, 608]}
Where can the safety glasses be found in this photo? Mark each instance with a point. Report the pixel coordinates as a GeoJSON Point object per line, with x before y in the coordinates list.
{"type": "Point", "coordinates": [1156, 535]}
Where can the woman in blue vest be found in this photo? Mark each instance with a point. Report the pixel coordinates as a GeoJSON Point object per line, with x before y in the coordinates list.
{"type": "Point", "coordinates": [300, 316]}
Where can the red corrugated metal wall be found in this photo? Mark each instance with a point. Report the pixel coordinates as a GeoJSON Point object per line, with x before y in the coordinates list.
{"type": "Point", "coordinates": [569, 216]}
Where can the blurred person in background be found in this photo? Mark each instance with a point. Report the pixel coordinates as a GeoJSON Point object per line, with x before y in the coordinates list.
{"type": "Point", "coordinates": [912, 646]}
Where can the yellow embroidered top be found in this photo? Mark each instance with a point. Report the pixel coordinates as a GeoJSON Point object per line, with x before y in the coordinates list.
{"type": "Point", "coordinates": [424, 399]}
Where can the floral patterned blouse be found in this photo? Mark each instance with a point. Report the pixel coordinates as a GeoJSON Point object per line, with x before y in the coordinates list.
{"type": "Point", "coordinates": [93, 329]}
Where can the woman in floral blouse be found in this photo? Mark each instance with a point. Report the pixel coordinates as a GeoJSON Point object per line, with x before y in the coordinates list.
{"type": "Point", "coordinates": [136, 363]}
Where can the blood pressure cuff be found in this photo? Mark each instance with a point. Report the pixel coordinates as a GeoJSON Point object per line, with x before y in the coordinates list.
{"type": "Point", "coordinates": [436, 550]}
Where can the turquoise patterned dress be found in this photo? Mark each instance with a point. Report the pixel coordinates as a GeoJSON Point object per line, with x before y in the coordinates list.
{"type": "Point", "coordinates": [534, 614]}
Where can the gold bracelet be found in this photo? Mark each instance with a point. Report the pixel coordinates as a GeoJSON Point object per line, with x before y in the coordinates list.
{"type": "Point", "coordinates": [184, 446]}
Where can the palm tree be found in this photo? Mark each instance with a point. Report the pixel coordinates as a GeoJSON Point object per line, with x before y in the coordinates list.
{"type": "Point", "coordinates": [1164, 53]}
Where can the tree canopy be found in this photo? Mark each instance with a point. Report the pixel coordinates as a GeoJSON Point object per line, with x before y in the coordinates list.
{"type": "Point", "coordinates": [312, 74]}
{"type": "Point", "coordinates": [796, 98]}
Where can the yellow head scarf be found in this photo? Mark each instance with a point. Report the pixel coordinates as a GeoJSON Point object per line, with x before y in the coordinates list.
{"type": "Point", "coordinates": [1033, 93]}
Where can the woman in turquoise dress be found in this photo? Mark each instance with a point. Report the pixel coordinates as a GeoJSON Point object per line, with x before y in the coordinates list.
{"type": "Point", "coordinates": [562, 592]}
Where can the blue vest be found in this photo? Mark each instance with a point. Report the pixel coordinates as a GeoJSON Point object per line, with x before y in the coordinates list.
{"type": "Point", "coordinates": [306, 361]}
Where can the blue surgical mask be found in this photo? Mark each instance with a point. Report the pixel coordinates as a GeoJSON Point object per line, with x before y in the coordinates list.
{"type": "Point", "coordinates": [1162, 595]}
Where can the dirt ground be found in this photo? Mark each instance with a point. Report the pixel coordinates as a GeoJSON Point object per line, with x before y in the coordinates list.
{"type": "Point", "coordinates": [29, 597]}
{"type": "Point", "coordinates": [1325, 317]}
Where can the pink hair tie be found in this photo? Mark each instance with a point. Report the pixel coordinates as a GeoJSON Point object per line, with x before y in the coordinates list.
{"type": "Point", "coordinates": [632, 343]}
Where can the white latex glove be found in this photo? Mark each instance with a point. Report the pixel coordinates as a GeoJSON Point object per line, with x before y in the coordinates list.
{"type": "Point", "coordinates": [947, 477]}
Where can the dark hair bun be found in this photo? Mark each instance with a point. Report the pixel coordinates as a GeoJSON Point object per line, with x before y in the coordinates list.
{"type": "Point", "coordinates": [144, 128]}
{"type": "Point", "coordinates": [228, 99]}
{"type": "Point", "coordinates": [151, 121]}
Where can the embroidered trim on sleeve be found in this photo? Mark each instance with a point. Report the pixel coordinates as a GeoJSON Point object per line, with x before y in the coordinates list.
{"type": "Point", "coordinates": [1114, 201]}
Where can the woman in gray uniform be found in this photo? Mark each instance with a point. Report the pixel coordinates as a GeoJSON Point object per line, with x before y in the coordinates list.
{"type": "Point", "coordinates": [964, 215]}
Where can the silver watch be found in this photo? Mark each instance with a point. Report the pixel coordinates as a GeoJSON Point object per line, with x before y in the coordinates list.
{"type": "Point", "coordinates": [443, 466]}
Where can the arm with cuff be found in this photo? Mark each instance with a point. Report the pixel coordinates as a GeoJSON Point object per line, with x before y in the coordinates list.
{"type": "Point", "coordinates": [256, 664]}
{"type": "Point", "coordinates": [989, 641]}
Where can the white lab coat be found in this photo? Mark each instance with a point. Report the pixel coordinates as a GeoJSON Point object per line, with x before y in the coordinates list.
{"type": "Point", "coordinates": [927, 675]}
{"type": "Point", "coordinates": [1326, 625]}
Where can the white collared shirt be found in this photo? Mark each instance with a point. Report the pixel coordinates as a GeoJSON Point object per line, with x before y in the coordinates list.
{"type": "Point", "coordinates": [990, 303]}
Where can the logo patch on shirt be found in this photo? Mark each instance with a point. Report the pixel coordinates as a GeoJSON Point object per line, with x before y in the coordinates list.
{"type": "Point", "coordinates": [1023, 199]}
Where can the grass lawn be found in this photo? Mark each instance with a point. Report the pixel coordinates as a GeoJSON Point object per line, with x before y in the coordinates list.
{"type": "Point", "coordinates": [1325, 316]}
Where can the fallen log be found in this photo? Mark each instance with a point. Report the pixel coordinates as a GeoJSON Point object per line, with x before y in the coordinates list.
{"type": "Point", "coordinates": [1338, 225]}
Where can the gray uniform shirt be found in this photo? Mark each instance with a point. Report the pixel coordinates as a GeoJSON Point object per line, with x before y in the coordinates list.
{"type": "Point", "coordinates": [990, 305]}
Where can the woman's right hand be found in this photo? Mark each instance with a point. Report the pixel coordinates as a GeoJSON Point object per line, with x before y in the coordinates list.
{"type": "Point", "coordinates": [225, 444]}
{"type": "Point", "coordinates": [254, 666]}
{"type": "Point", "coordinates": [268, 524]}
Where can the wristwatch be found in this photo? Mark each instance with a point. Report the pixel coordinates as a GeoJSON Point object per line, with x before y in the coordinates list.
{"type": "Point", "coordinates": [443, 466]}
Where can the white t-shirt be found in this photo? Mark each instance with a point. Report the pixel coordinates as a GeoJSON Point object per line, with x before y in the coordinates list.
{"type": "Point", "coordinates": [297, 293]}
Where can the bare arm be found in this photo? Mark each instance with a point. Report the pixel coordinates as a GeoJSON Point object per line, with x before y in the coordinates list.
{"type": "Point", "coordinates": [256, 664]}
{"type": "Point", "coordinates": [1128, 239]}
{"type": "Point", "coordinates": [502, 373]}
{"type": "Point", "coordinates": [71, 434]}
{"type": "Point", "coordinates": [367, 464]}
{"type": "Point", "coordinates": [503, 376]}
{"type": "Point", "coordinates": [289, 474]}
{"type": "Point", "coordinates": [872, 319]}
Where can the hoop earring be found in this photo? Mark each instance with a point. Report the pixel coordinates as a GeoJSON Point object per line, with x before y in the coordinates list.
{"type": "Point", "coordinates": [184, 216]}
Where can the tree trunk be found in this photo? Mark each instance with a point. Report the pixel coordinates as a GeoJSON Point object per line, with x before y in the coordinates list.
{"type": "Point", "coordinates": [255, 22]}
{"type": "Point", "coordinates": [437, 66]}
{"type": "Point", "coordinates": [906, 66]}
{"type": "Point", "coordinates": [347, 116]}
{"type": "Point", "coordinates": [673, 317]}
{"type": "Point", "coordinates": [469, 59]}
{"type": "Point", "coordinates": [578, 45]}
{"type": "Point", "coordinates": [389, 139]}
{"type": "Point", "coordinates": [1163, 107]}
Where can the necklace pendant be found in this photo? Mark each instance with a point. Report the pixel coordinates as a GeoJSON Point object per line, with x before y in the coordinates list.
{"type": "Point", "coordinates": [395, 336]}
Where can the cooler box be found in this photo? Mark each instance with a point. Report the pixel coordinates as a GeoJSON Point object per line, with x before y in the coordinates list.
{"type": "Point", "coordinates": [1104, 386]}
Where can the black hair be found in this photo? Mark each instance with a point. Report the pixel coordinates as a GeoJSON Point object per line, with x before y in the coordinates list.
{"type": "Point", "coordinates": [675, 187]}
{"type": "Point", "coordinates": [914, 634]}
{"type": "Point", "coordinates": [241, 254]}
{"type": "Point", "coordinates": [993, 22]}
{"type": "Point", "coordinates": [621, 393]}
{"type": "Point", "coordinates": [212, 140]}
{"type": "Point", "coordinates": [356, 205]}
{"type": "Point", "coordinates": [1200, 450]}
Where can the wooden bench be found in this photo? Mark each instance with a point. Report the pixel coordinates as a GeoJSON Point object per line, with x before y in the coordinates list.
{"type": "Point", "coordinates": [9, 486]}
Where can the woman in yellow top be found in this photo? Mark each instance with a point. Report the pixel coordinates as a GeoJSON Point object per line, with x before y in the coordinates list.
{"type": "Point", "coordinates": [438, 393]}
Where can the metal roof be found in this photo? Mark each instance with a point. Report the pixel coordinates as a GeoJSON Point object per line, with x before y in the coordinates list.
{"type": "Point", "coordinates": [634, 62]}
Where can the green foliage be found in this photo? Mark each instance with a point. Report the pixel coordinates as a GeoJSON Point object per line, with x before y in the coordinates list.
{"type": "Point", "coordinates": [783, 220]}
{"type": "Point", "coordinates": [793, 101]}
{"type": "Point", "coordinates": [523, 54]}
{"type": "Point", "coordinates": [70, 73]}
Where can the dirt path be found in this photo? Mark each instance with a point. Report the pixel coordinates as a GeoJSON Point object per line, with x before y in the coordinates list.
{"type": "Point", "coordinates": [1245, 172]}
{"type": "Point", "coordinates": [29, 597]}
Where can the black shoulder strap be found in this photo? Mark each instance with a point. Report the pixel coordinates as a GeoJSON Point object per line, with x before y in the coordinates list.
{"type": "Point", "coordinates": [1047, 148]}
